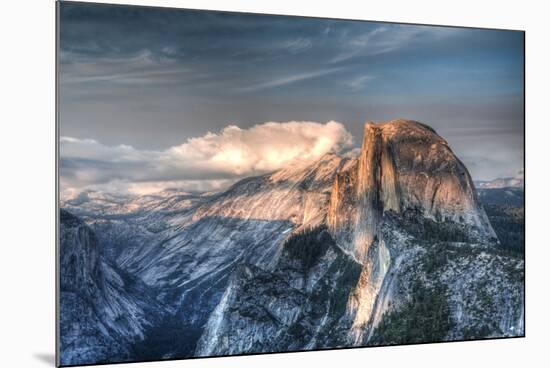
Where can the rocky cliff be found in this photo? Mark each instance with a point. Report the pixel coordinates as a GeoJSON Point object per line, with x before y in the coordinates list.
{"type": "Point", "coordinates": [103, 309]}
{"type": "Point", "coordinates": [403, 165]}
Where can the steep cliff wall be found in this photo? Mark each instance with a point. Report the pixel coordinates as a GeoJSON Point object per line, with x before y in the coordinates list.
{"type": "Point", "coordinates": [403, 165]}
{"type": "Point", "coordinates": [103, 309]}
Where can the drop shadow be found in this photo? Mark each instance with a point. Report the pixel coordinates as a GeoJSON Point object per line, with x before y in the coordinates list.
{"type": "Point", "coordinates": [45, 358]}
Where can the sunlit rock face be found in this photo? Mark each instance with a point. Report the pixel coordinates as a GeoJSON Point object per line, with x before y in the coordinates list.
{"type": "Point", "coordinates": [402, 165]}
{"type": "Point", "coordinates": [297, 194]}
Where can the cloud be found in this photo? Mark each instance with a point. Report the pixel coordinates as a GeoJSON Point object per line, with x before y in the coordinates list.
{"type": "Point", "coordinates": [388, 38]}
{"type": "Point", "coordinates": [289, 79]}
{"type": "Point", "coordinates": [359, 82]}
{"type": "Point", "coordinates": [201, 163]}
{"type": "Point", "coordinates": [297, 45]}
{"type": "Point", "coordinates": [140, 68]}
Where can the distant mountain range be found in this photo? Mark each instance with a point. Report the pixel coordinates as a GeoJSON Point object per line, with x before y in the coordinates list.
{"type": "Point", "coordinates": [518, 181]}
{"type": "Point", "coordinates": [391, 246]}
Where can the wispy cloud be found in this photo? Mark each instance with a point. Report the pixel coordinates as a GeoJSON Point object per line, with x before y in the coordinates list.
{"type": "Point", "coordinates": [385, 39]}
{"type": "Point", "coordinates": [145, 67]}
{"type": "Point", "coordinates": [289, 79]}
{"type": "Point", "coordinates": [297, 45]}
{"type": "Point", "coordinates": [359, 82]}
{"type": "Point", "coordinates": [137, 77]}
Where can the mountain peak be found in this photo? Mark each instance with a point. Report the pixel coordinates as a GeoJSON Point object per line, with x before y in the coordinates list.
{"type": "Point", "coordinates": [403, 165]}
{"type": "Point", "coordinates": [403, 127]}
{"type": "Point", "coordinates": [517, 181]}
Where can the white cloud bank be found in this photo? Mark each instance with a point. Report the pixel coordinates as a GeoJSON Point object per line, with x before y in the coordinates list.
{"type": "Point", "coordinates": [203, 163]}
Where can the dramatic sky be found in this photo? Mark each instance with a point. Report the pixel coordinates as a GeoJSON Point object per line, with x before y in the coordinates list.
{"type": "Point", "coordinates": [154, 97]}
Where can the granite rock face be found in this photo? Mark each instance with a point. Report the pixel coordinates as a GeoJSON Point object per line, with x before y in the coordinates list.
{"type": "Point", "coordinates": [103, 310]}
{"type": "Point", "coordinates": [298, 304]}
{"type": "Point", "coordinates": [403, 165]}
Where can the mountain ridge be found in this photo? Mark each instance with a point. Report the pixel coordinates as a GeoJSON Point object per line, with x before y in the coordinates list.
{"type": "Point", "coordinates": [330, 251]}
{"type": "Point", "coordinates": [517, 181]}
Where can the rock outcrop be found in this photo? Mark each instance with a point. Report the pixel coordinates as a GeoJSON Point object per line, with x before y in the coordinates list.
{"type": "Point", "coordinates": [403, 165]}
{"type": "Point", "coordinates": [103, 310]}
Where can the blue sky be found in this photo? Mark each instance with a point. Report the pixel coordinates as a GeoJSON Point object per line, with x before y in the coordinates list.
{"type": "Point", "coordinates": [153, 78]}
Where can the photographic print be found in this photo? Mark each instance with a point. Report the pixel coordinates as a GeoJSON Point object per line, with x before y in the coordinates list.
{"type": "Point", "coordinates": [234, 183]}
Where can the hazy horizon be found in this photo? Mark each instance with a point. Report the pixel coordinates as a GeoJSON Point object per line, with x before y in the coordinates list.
{"type": "Point", "coordinates": [153, 98]}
